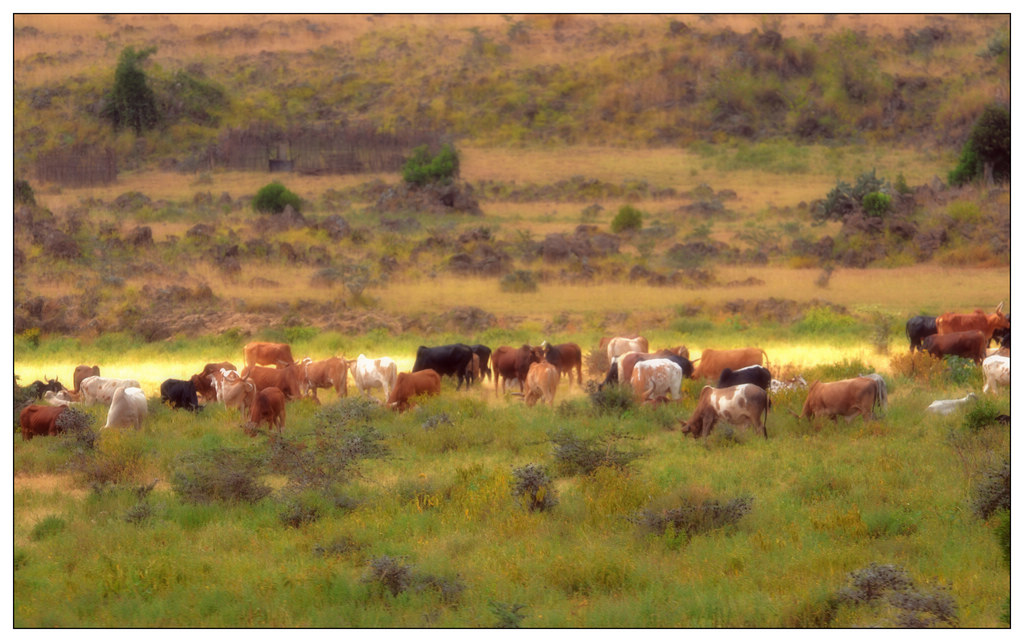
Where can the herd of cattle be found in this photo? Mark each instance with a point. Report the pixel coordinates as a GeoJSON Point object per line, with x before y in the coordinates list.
{"type": "Point", "coordinates": [740, 395]}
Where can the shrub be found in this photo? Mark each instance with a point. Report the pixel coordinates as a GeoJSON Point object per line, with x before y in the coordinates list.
{"type": "Point", "coordinates": [274, 197]}
{"type": "Point", "coordinates": [219, 475]}
{"type": "Point", "coordinates": [988, 144]}
{"type": "Point", "coordinates": [914, 608]}
{"type": "Point", "coordinates": [299, 514]}
{"type": "Point", "coordinates": [75, 427]}
{"type": "Point", "coordinates": [519, 281]}
{"type": "Point", "coordinates": [532, 487]}
{"type": "Point", "coordinates": [330, 459]}
{"type": "Point", "coordinates": [131, 103]}
{"type": "Point", "coordinates": [23, 194]}
{"type": "Point", "coordinates": [917, 365]}
{"type": "Point", "coordinates": [421, 168]}
{"type": "Point", "coordinates": [576, 455]}
{"type": "Point", "coordinates": [139, 513]}
{"type": "Point", "coordinates": [992, 494]}
{"type": "Point", "coordinates": [628, 218]}
{"type": "Point", "coordinates": [693, 518]}
{"type": "Point", "coordinates": [876, 203]}
{"type": "Point", "coordinates": [962, 371]}
{"type": "Point", "coordinates": [844, 199]}
{"type": "Point", "coordinates": [339, 547]}
{"type": "Point", "coordinates": [611, 399]}
{"type": "Point", "coordinates": [508, 615]}
{"type": "Point", "coordinates": [390, 573]}
{"type": "Point", "coordinates": [47, 527]}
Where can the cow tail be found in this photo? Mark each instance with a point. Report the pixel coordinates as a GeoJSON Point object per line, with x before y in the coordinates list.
{"type": "Point", "coordinates": [764, 422]}
{"type": "Point", "coordinates": [766, 364]}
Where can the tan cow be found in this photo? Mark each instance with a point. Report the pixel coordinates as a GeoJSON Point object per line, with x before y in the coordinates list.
{"type": "Point", "coordinates": [621, 345]}
{"type": "Point", "coordinates": [413, 384]}
{"type": "Point", "coordinates": [288, 379]}
{"type": "Point", "coordinates": [737, 405]}
{"type": "Point", "coordinates": [997, 372]}
{"type": "Point", "coordinates": [985, 323]}
{"type": "Point", "coordinates": [844, 398]}
{"type": "Point", "coordinates": [237, 392]}
{"type": "Point", "coordinates": [82, 373]}
{"type": "Point", "coordinates": [655, 379]}
{"type": "Point", "coordinates": [267, 354]}
{"type": "Point", "coordinates": [541, 383]}
{"type": "Point", "coordinates": [712, 362]}
{"type": "Point", "coordinates": [328, 373]}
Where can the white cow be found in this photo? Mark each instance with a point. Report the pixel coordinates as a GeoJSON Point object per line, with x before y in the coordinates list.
{"type": "Point", "coordinates": [997, 372]}
{"type": "Point", "coordinates": [127, 408]}
{"type": "Point", "coordinates": [621, 345]}
{"type": "Point", "coordinates": [736, 405]}
{"type": "Point", "coordinates": [656, 378]}
{"type": "Point", "coordinates": [882, 396]}
{"type": "Point", "coordinates": [101, 389]}
{"type": "Point", "coordinates": [947, 406]}
{"type": "Point", "coordinates": [61, 398]}
{"type": "Point", "coordinates": [374, 373]}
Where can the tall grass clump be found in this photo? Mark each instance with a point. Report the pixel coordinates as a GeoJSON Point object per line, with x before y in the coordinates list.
{"type": "Point", "coordinates": [47, 527]}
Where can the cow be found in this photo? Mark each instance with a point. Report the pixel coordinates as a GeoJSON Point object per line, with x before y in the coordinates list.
{"type": "Point", "coordinates": [128, 407]}
{"type": "Point", "coordinates": [655, 378]}
{"type": "Point", "coordinates": [738, 405]}
{"type": "Point", "coordinates": [267, 354]}
{"type": "Point", "coordinates": [918, 328]}
{"type": "Point", "coordinates": [327, 373]}
{"type": "Point", "coordinates": [622, 366]}
{"type": "Point", "coordinates": [565, 357]}
{"type": "Point", "coordinates": [62, 398]}
{"type": "Point", "coordinates": [951, 323]}
{"type": "Point", "coordinates": [679, 351]}
{"type": "Point", "coordinates": [541, 383]}
{"type": "Point", "coordinates": [1002, 352]}
{"type": "Point", "coordinates": [845, 398]}
{"type": "Point", "coordinates": [83, 372]}
{"type": "Point", "coordinates": [374, 373]}
{"type": "Point", "coordinates": [484, 353]}
{"type": "Point", "coordinates": [514, 363]}
{"type": "Point", "coordinates": [997, 372]}
{"type": "Point", "coordinates": [757, 375]}
{"type": "Point", "coordinates": [180, 394]}
{"type": "Point", "coordinates": [473, 372]}
{"type": "Point", "coordinates": [970, 345]}
{"type": "Point", "coordinates": [39, 388]}
{"type": "Point", "coordinates": [101, 389]}
{"type": "Point", "coordinates": [236, 392]}
{"type": "Point", "coordinates": [712, 362]}
{"type": "Point", "coordinates": [206, 381]}
{"type": "Point", "coordinates": [790, 384]}
{"type": "Point", "coordinates": [412, 384]}
{"type": "Point", "coordinates": [948, 406]}
{"type": "Point", "coordinates": [452, 360]}
{"type": "Point", "coordinates": [882, 400]}
{"type": "Point", "coordinates": [287, 379]}
{"type": "Point", "coordinates": [621, 345]}
{"type": "Point", "coordinates": [38, 420]}
{"type": "Point", "coordinates": [1002, 335]}
{"type": "Point", "coordinates": [268, 406]}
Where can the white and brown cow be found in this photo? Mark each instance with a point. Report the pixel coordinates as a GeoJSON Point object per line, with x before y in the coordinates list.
{"type": "Point", "coordinates": [541, 383]}
{"type": "Point", "coordinates": [235, 391]}
{"type": "Point", "coordinates": [844, 398]}
{"type": "Point", "coordinates": [655, 379]}
{"type": "Point", "coordinates": [97, 389]}
{"type": "Point", "coordinates": [738, 405]}
{"type": "Point", "coordinates": [997, 372]}
{"type": "Point", "coordinates": [374, 373]}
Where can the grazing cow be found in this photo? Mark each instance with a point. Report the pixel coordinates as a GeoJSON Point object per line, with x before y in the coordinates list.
{"type": "Point", "coordinates": [790, 384]}
{"type": "Point", "coordinates": [737, 405]}
{"type": "Point", "coordinates": [514, 363]}
{"type": "Point", "coordinates": [622, 366]}
{"type": "Point", "coordinates": [84, 372]}
{"type": "Point", "coordinates": [268, 406]}
{"type": "Point", "coordinates": [918, 328]}
{"type": "Point", "coordinates": [951, 323]}
{"type": "Point", "coordinates": [206, 382]}
{"type": "Point", "coordinates": [970, 345]}
{"type": "Point", "coordinates": [484, 353]}
{"type": "Point", "coordinates": [374, 373]}
{"type": "Point", "coordinates": [267, 354]}
{"type": "Point", "coordinates": [236, 392]}
{"type": "Point", "coordinates": [101, 389]}
{"type": "Point", "coordinates": [39, 420]}
{"type": "Point", "coordinates": [679, 351]}
{"type": "Point", "coordinates": [997, 372]}
{"type": "Point", "coordinates": [947, 406]}
{"type": "Point", "coordinates": [621, 345]}
{"type": "Point", "coordinates": [713, 362]}
{"type": "Point", "coordinates": [845, 398]}
{"type": "Point", "coordinates": [541, 383]}
{"type": "Point", "coordinates": [288, 379]}
{"type": "Point", "coordinates": [180, 394]}
{"type": "Point", "coordinates": [62, 398]}
{"type": "Point", "coordinates": [883, 393]}
{"type": "Point", "coordinates": [757, 375]}
{"type": "Point", "coordinates": [412, 384]}
{"type": "Point", "coordinates": [656, 378]}
{"type": "Point", "coordinates": [332, 372]}
{"type": "Point", "coordinates": [128, 407]}
{"type": "Point", "coordinates": [565, 357]}
{"type": "Point", "coordinates": [452, 360]}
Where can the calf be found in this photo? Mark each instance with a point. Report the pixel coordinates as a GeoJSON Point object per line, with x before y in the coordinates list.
{"type": "Point", "coordinates": [180, 394]}
{"type": "Point", "coordinates": [737, 405]}
{"type": "Point", "coordinates": [62, 398]}
{"type": "Point", "coordinates": [790, 384]}
{"type": "Point", "coordinates": [656, 378]}
{"type": "Point", "coordinates": [757, 375]}
{"type": "Point", "coordinates": [268, 406]}
{"type": "Point", "coordinates": [997, 372]}
{"type": "Point", "coordinates": [374, 373]}
{"type": "Point", "coordinates": [128, 407]}
{"type": "Point", "coordinates": [541, 382]}
{"type": "Point", "coordinates": [970, 345]}
{"type": "Point", "coordinates": [845, 398]}
{"type": "Point", "coordinates": [328, 373]}
{"type": "Point", "coordinates": [947, 406]}
{"type": "Point", "coordinates": [39, 420]}
{"type": "Point", "coordinates": [413, 384]}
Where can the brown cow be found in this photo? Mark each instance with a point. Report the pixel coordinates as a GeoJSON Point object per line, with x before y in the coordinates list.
{"type": "Point", "coordinates": [565, 357]}
{"type": "Point", "coordinates": [845, 398]}
{"type": "Point", "coordinates": [951, 323]}
{"type": "Point", "coordinates": [268, 354]}
{"type": "Point", "coordinates": [737, 405]}
{"type": "Point", "coordinates": [970, 345]}
{"type": "Point", "coordinates": [513, 363]}
{"type": "Point", "coordinates": [412, 384]}
{"type": "Point", "coordinates": [39, 420]}
{"type": "Point", "coordinates": [541, 382]}
{"type": "Point", "coordinates": [84, 372]}
{"type": "Point", "coordinates": [206, 380]}
{"type": "Point", "coordinates": [288, 380]}
{"type": "Point", "coordinates": [712, 362]}
{"type": "Point", "coordinates": [332, 372]}
{"type": "Point", "coordinates": [268, 406]}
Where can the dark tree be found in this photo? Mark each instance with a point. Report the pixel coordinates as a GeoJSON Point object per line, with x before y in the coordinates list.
{"type": "Point", "coordinates": [987, 149]}
{"type": "Point", "coordinates": [131, 102]}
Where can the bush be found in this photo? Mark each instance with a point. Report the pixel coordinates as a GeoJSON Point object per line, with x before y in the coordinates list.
{"type": "Point", "coordinates": [844, 199]}
{"type": "Point", "coordinates": [219, 475]}
{"type": "Point", "coordinates": [274, 197]}
{"type": "Point", "coordinates": [989, 143]}
{"type": "Point", "coordinates": [508, 615]}
{"type": "Point", "coordinates": [915, 608]}
{"type": "Point", "coordinates": [131, 103]}
{"type": "Point", "coordinates": [876, 203]}
{"type": "Point", "coordinates": [628, 218]}
{"type": "Point", "coordinates": [532, 487]}
{"type": "Point", "coordinates": [47, 527]}
{"type": "Point", "coordinates": [23, 194]}
{"type": "Point", "coordinates": [576, 455]}
{"type": "Point", "coordinates": [421, 168]}
{"type": "Point", "coordinates": [692, 518]}
{"type": "Point", "coordinates": [611, 399]}
{"type": "Point", "coordinates": [992, 494]}
{"type": "Point", "coordinates": [75, 427]}
{"type": "Point", "coordinates": [519, 281]}
{"type": "Point", "coordinates": [390, 573]}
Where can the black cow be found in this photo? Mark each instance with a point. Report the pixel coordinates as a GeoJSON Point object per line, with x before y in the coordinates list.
{"type": "Point", "coordinates": [38, 388]}
{"type": "Point", "coordinates": [484, 353]}
{"type": "Point", "coordinates": [1002, 335]}
{"type": "Point", "coordinates": [757, 375]}
{"type": "Point", "coordinates": [452, 360]}
{"type": "Point", "coordinates": [180, 394]}
{"type": "Point", "coordinates": [918, 328]}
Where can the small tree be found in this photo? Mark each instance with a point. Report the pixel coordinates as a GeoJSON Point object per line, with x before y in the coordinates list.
{"type": "Point", "coordinates": [421, 168]}
{"type": "Point", "coordinates": [273, 198]}
{"type": "Point", "coordinates": [131, 102]}
{"type": "Point", "coordinates": [988, 145]}
{"type": "Point", "coordinates": [628, 218]}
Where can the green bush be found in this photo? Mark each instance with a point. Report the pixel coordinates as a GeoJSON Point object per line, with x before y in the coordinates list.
{"type": "Point", "coordinates": [628, 218]}
{"type": "Point", "coordinates": [421, 168]}
{"type": "Point", "coordinates": [23, 194]}
{"type": "Point", "coordinates": [876, 203]}
{"type": "Point", "coordinates": [989, 143]}
{"type": "Point", "coordinates": [844, 199]}
{"type": "Point", "coordinates": [273, 198]}
{"type": "Point", "coordinates": [131, 102]}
